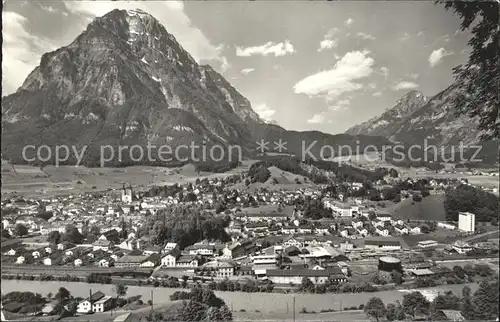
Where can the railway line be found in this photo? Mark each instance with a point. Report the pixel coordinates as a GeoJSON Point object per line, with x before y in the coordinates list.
{"type": "Point", "coordinates": [76, 271]}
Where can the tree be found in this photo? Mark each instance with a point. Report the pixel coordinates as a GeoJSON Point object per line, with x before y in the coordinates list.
{"type": "Point", "coordinates": [54, 237]}
{"type": "Point", "coordinates": [5, 234]}
{"type": "Point", "coordinates": [417, 197]}
{"type": "Point", "coordinates": [219, 314]}
{"type": "Point", "coordinates": [480, 76]}
{"type": "Point", "coordinates": [63, 295]}
{"type": "Point", "coordinates": [72, 235]}
{"type": "Point", "coordinates": [425, 229]}
{"type": "Point", "coordinates": [21, 230]}
{"type": "Point", "coordinates": [397, 277]}
{"type": "Point", "coordinates": [395, 312]}
{"type": "Point", "coordinates": [470, 270]}
{"type": "Point", "coordinates": [375, 308]}
{"type": "Point", "coordinates": [415, 303]}
{"type": "Point", "coordinates": [191, 311]}
{"type": "Point", "coordinates": [467, 308]}
{"type": "Point", "coordinates": [93, 233]}
{"type": "Point", "coordinates": [121, 290]}
{"type": "Point", "coordinates": [485, 301]}
{"type": "Point", "coordinates": [459, 271]}
{"type": "Point", "coordinates": [307, 285]}
{"type": "Point", "coordinates": [446, 301]}
{"type": "Point", "coordinates": [483, 270]}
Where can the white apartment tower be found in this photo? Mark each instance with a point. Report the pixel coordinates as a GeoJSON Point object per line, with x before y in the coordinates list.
{"type": "Point", "coordinates": [466, 222]}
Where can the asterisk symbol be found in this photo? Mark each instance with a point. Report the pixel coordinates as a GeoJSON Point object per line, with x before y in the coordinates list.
{"type": "Point", "coordinates": [262, 145]}
{"type": "Point", "coordinates": [280, 145]}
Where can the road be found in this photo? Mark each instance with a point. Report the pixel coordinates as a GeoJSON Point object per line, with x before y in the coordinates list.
{"type": "Point", "coordinates": [473, 237]}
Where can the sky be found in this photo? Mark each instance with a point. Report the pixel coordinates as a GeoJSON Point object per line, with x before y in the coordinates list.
{"type": "Point", "coordinates": [306, 65]}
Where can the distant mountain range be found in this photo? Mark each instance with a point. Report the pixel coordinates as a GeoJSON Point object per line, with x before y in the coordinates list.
{"type": "Point", "coordinates": [415, 118]}
{"type": "Point", "coordinates": [126, 80]}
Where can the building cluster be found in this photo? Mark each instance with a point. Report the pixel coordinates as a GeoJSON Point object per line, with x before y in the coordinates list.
{"type": "Point", "coordinates": [305, 247]}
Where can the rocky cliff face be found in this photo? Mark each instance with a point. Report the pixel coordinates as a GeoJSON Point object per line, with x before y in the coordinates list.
{"type": "Point", "coordinates": [389, 122]}
{"type": "Point", "coordinates": [125, 80]}
{"type": "Point", "coordinates": [415, 118]}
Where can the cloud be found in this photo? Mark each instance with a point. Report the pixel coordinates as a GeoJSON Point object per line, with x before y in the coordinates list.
{"type": "Point", "coordinates": [247, 71]}
{"type": "Point", "coordinates": [21, 50]}
{"type": "Point", "coordinates": [420, 33]}
{"type": "Point", "coordinates": [413, 75]}
{"type": "Point", "coordinates": [340, 105]}
{"type": "Point", "coordinates": [270, 48]}
{"type": "Point", "coordinates": [405, 36]}
{"type": "Point", "coordinates": [225, 65]}
{"type": "Point", "coordinates": [340, 79]}
{"type": "Point", "coordinates": [437, 55]}
{"type": "Point", "coordinates": [377, 94]}
{"type": "Point", "coordinates": [171, 14]}
{"type": "Point", "coordinates": [349, 22]}
{"type": "Point", "coordinates": [328, 41]}
{"type": "Point", "coordinates": [327, 44]}
{"type": "Point", "coordinates": [53, 10]}
{"type": "Point", "coordinates": [264, 112]}
{"type": "Point", "coordinates": [365, 36]}
{"type": "Point", "coordinates": [404, 85]}
{"type": "Point", "coordinates": [384, 71]}
{"type": "Point", "coordinates": [316, 119]}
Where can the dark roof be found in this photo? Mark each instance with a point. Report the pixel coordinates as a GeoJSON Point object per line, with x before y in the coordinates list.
{"type": "Point", "coordinates": [96, 296]}
{"type": "Point", "coordinates": [131, 259]}
{"type": "Point", "coordinates": [111, 233]}
{"type": "Point", "coordinates": [335, 270]}
{"type": "Point", "coordinates": [186, 258]}
{"type": "Point", "coordinates": [382, 242]}
{"type": "Point", "coordinates": [154, 258]}
{"type": "Point", "coordinates": [297, 272]}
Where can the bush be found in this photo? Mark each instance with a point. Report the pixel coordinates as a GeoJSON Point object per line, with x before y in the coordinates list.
{"type": "Point", "coordinates": [417, 197]}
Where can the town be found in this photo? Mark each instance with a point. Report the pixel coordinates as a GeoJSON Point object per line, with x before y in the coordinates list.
{"type": "Point", "coordinates": [333, 238]}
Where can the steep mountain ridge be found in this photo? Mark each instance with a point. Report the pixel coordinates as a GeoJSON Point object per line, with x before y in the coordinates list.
{"type": "Point", "coordinates": [416, 118]}
{"type": "Point", "coordinates": [391, 119]}
{"type": "Point", "coordinates": [126, 81]}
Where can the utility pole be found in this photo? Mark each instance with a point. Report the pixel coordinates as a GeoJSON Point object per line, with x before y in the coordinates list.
{"type": "Point", "coordinates": [151, 300]}
{"type": "Point", "coordinates": [287, 308]}
{"type": "Point", "coordinates": [294, 309]}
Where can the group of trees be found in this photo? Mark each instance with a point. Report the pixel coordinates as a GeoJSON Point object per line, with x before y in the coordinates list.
{"type": "Point", "coordinates": [315, 210]}
{"type": "Point", "coordinates": [216, 167]}
{"type": "Point", "coordinates": [469, 198]}
{"type": "Point", "coordinates": [483, 305]}
{"type": "Point", "coordinates": [200, 304]}
{"type": "Point", "coordinates": [184, 225]}
{"type": "Point", "coordinates": [335, 287]}
{"type": "Point", "coordinates": [32, 302]}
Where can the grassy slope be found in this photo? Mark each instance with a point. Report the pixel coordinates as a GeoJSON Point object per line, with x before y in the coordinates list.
{"type": "Point", "coordinates": [430, 208]}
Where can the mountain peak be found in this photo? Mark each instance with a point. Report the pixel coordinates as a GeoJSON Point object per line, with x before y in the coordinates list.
{"type": "Point", "coordinates": [389, 120]}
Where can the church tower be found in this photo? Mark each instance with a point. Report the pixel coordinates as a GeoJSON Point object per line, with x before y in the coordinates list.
{"type": "Point", "coordinates": [127, 194]}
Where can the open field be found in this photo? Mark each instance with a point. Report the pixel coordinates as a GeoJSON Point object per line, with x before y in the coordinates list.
{"type": "Point", "coordinates": [279, 180]}
{"type": "Point", "coordinates": [266, 303]}
{"type": "Point", "coordinates": [441, 235]}
{"type": "Point", "coordinates": [484, 181]}
{"type": "Point", "coordinates": [35, 181]}
{"type": "Point", "coordinates": [251, 315]}
{"type": "Point", "coordinates": [430, 208]}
